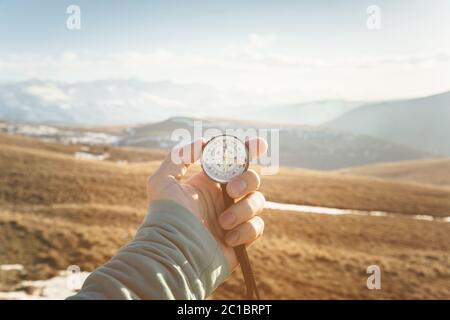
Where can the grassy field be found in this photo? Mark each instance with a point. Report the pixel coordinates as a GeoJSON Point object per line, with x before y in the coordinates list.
{"type": "Point", "coordinates": [345, 191]}
{"type": "Point", "coordinates": [132, 155]}
{"type": "Point", "coordinates": [432, 172]}
{"type": "Point", "coordinates": [56, 210]}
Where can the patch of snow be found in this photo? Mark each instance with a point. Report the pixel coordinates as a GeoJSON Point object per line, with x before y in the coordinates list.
{"type": "Point", "coordinates": [423, 217]}
{"type": "Point", "coordinates": [35, 131]}
{"type": "Point", "coordinates": [337, 212]}
{"type": "Point", "coordinates": [57, 288]}
{"type": "Point", "coordinates": [310, 209]}
{"type": "Point", "coordinates": [378, 213]}
{"type": "Point", "coordinates": [91, 138]}
{"type": "Point", "coordinates": [49, 133]}
{"type": "Point", "coordinates": [11, 267]}
{"type": "Point", "coordinates": [90, 156]}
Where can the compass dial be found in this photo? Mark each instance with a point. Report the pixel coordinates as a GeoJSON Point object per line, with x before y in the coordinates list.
{"type": "Point", "coordinates": [224, 157]}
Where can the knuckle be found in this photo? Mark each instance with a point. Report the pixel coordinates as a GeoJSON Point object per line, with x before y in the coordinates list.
{"type": "Point", "coordinates": [250, 204]}
{"type": "Point", "coordinates": [261, 222]}
{"type": "Point", "coordinates": [260, 226]}
{"type": "Point", "coordinates": [256, 201]}
{"type": "Point", "coordinates": [262, 198]}
{"type": "Point", "coordinates": [253, 178]}
{"type": "Point", "coordinates": [255, 228]}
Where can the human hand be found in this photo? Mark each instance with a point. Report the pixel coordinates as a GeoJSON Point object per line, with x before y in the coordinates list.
{"type": "Point", "coordinates": [238, 224]}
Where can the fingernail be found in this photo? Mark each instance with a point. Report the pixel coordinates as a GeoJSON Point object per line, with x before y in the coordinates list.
{"type": "Point", "coordinates": [238, 186]}
{"type": "Point", "coordinates": [227, 219]}
{"type": "Point", "coordinates": [232, 238]}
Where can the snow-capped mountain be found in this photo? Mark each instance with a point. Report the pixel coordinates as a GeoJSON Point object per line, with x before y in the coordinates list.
{"type": "Point", "coordinates": [109, 102]}
{"type": "Point", "coordinates": [101, 102]}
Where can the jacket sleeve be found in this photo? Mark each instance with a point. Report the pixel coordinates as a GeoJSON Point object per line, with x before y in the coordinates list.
{"type": "Point", "coordinates": [173, 256]}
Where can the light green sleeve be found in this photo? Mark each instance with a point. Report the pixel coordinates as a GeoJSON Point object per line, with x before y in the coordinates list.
{"type": "Point", "coordinates": [173, 256]}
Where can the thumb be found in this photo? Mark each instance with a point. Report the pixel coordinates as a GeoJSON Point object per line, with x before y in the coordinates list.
{"type": "Point", "coordinates": [179, 159]}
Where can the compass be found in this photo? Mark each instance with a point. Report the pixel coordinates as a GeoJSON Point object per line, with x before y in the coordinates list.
{"type": "Point", "coordinates": [224, 157]}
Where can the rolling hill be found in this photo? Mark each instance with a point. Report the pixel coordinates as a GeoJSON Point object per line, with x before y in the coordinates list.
{"type": "Point", "coordinates": [107, 102]}
{"type": "Point", "coordinates": [56, 210]}
{"type": "Point", "coordinates": [322, 149]}
{"type": "Point", "coordinates": [307, 113]}
{"type": "Point", "coordinates": [25, 161]}
{"type": "Point", "coordinates": [431, 171]}
{"type": "Point", "coordinates": [421, 124]}
{"type": "Point", "coordinates": [299, 146]}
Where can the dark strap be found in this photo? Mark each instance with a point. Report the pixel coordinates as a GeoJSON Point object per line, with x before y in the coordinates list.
{"type": "Point", "coordinates": [242, 256]}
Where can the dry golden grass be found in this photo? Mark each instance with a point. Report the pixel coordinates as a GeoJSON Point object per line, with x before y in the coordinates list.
{"type": "Point", "coordinates": [430, 171]}
{"type": "Point", "coordinates": [56, 211]}
{"type": "Point", "coordinates": [338, 190]}
{"type": "Point", "coordinates": [301, 256]}
{"type": "Point", "coordinates": [304, 256]}
{"type": "Point", "coordinates": [115, 153]}
{"type": "Point", "coordinates": [46, 239]}
{"type": "Point", "coordinates": [42, 174]}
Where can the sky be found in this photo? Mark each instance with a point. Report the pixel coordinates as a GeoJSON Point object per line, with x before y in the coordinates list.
{"type": "Point", "coordinates": [281, 51]}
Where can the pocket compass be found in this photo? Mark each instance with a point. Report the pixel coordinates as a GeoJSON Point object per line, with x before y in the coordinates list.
{"type": "Point", "coordinates": [223, 158]}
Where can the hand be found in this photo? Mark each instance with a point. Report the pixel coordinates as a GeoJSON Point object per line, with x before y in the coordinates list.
{"type": "Point", "coordinates": [237, 225]}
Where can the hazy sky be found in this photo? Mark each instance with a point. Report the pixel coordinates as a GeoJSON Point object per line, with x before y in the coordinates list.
{"type": "Point", "coordinates": [282, 50]}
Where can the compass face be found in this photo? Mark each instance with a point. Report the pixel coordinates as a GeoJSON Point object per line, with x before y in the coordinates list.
{"type": "Point", "coordinates": [224, 157]}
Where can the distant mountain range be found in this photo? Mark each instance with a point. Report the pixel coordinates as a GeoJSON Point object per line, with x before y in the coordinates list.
{"type": "Point", "coordinates": [300, 146]}
{"type": "Point", "coordinates": [415, 127]}
{"type": "Point", "coordinates": [309, 113]}
{"type": "Point", "coordinates": [101, 102]}
{"type": "Point", "coordinates": [422, 124]}
{"type": "Point", "coordinates": [109, 102]}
